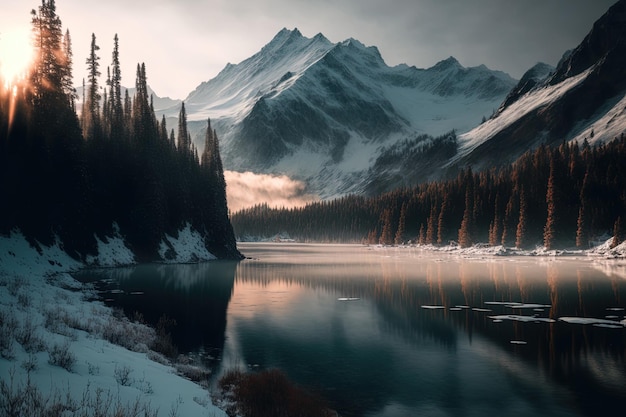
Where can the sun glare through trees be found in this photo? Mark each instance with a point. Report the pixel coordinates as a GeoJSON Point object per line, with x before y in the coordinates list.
{"type": "Point", "coordinates": [15, 55]}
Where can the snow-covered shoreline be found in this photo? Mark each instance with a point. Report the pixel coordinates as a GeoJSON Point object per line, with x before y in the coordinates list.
{"type": "Point", "coordinates": [56, 345]}
{"type": "Point", "coordinates": [600, 249]}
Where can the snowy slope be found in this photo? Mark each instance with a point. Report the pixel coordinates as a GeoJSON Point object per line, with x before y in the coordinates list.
{"type": "Point", "coordinates": [57, 344]}
{"type": "Point", "coordinates": [533, 100]}
{"type": "Point", "coordinates": [584, 97]}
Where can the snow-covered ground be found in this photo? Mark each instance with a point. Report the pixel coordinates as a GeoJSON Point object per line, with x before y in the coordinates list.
{"type": "Point", "coordinates": [601, 250]}
{"type": "Point", "coordinates": [56, 345]}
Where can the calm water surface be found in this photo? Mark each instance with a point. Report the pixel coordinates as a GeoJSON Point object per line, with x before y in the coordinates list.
{"type": "Point", "coordinates": [398, 331]}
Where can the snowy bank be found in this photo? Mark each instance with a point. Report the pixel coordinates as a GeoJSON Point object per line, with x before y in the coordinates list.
{"type": "Point", "coordinates": [57, 350]}
{"type": "Point", "coordinates": [600, 250]}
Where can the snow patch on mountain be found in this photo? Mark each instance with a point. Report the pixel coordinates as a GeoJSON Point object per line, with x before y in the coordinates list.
{"type": "Point", "coordinates": [608, 124]}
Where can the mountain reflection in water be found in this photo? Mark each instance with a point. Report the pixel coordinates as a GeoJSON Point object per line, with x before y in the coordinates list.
{"type": "Point", "coordinates": [399, 331]}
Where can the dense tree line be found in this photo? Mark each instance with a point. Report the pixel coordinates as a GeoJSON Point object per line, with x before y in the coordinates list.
{"type": "Point", "coordinates": [114, 168]}
{"type": "Point", "coordinates": [554, 196]}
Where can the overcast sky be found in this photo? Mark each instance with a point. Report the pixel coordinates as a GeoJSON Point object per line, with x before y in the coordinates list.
{"type": "Point", "coordinates": [186, 42]}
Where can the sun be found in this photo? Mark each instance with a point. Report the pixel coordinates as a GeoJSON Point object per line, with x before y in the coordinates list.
{"type": "Point", "coordinates": [16, 54]}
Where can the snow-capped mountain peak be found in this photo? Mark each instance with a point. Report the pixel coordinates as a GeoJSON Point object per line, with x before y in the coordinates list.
{"type": "Point", "coordinates": [314, 109]}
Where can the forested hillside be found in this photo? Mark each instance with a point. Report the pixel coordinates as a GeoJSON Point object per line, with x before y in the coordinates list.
{"type": "Point", "coordinates": [553, 196]}
{"type": "Point", "coordinates": [113, 169]}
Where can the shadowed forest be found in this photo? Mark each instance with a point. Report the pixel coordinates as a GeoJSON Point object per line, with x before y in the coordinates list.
{"type": "Point", "coordinates": [108, 168]}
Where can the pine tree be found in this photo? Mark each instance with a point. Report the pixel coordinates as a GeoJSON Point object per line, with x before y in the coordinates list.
{"type": "Point", "coordinates": [400, 233]}
{"type": "Point", "coordinates": [49, 70]}
{"type": "Point", "coordinates": [495, 228]}
{"type": "Point", "coordinates": [441, 222]}
{"type": "Point", "coordinates": [386, 237]}
{"type": "Point", "coordinates": [431, 225]}
{"type": "Point", "coordinates": [552, 230]}
{"type": "Point", "coordinates": [521, 235]}
{"type": "Point", "coordinates": [115, 95]}
{"type": "Point", "coordinates": [421, 239]}
{"type": "Point", "coordinates": [184, 144]}
{"type": "Point", "coordinates": [617, 233]}
{"type": "Point", "coordinates": [51, 92]}
{"type": "Point", "coordinates": [466, 231]}
{"type": "Point", "coordinates": [91, 118]}
{"type": "Point", "coordinates": [582, 223]}
{"type": "Point", "coordinates": [67, 80]}
{"type": "Point", "coordinates": [510, 220]}
{"type": "Point", "coordinates": [143, 118]}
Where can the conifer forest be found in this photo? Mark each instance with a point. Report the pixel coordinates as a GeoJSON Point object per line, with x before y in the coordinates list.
{"type": "Point", "coordinates": [559, 197]}
{"type": "Point", "coordinates": [110, 167]}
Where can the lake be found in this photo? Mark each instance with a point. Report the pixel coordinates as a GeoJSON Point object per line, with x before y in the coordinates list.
{"type": "Point", "coordinates": [400, 331]}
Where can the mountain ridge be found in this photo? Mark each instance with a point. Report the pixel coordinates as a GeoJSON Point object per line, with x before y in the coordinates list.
{"type": "Point", "coordinates": [321, 112]}
{"type": "Point", "coordinates": [583, 98]}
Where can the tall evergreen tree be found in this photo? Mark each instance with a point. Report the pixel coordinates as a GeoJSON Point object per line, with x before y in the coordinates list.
{"type": "Point", "coordinates": [582, 223]}
{"type": "Point", "coordinates": [386, 236]}
{"type": "Point", "coordinates": [400, 237]}
{"type": "Point", "coordinates": [466, 238]}
{"type": "Point", "coordinates": [184, 144]}
{"type": "Point", "coordinates": [66, 76]}
{"type": "Point", "coordinates": [442, 230]}
{"type": "Point", "coordinates": [431, 225]}
{"type": "Point", "coordinates": [144, 122]}
{"type": "Point", "coordinates": [618, 231]}
{"type": "Point", "coordinates": [115, 96]}
{"type": "Point", "coordinates": [91, 119]}
{"type": "Point", "coordinates": [552, 232]}
{"type": "Point", "coordinates": [521, 235]}
{"type": "Point", "coordinates": [495, 228]}
{"type": "Point", "coordinates": [50, 77]}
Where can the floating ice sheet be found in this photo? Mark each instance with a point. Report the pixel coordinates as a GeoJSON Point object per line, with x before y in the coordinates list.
{"type": "Point", "coordinates": [593, 321]}
{"type": "Point", "coordinates": [526, 319]}
{"type": "Point", "coordinates": [608, 326]}
{"type": "Point", "coordinates": [515, 304]}
{"type": "Point", "coordinates": [433, 307]}
{"type": "Point", "coordinates": [348, 298]}
{"type": "Point", "coordinates": [527, 305]}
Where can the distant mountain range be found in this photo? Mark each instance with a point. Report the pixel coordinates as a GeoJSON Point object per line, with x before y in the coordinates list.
{"type": "Point", "coordinates": [322, 112]}
{"type": "Point", "coordinates": [335, 116]}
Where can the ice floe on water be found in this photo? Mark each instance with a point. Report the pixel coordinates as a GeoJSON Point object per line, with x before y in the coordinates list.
{"type": "Point", "coordinates": [517, 305]}
{"type": "Point", "coordinates": [348, 299]}
{"type": "Point", "coordinates": [433, 307]}
{"type": "Point", "coordinates": [527, 319]}
{"type": "Point", "coordinates": [518, 342]}
{"type": "Point", "coordinates": [594, 321]}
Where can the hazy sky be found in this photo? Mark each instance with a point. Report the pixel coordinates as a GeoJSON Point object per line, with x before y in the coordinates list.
{"type": "Point", "coordinates": [186, 42]}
